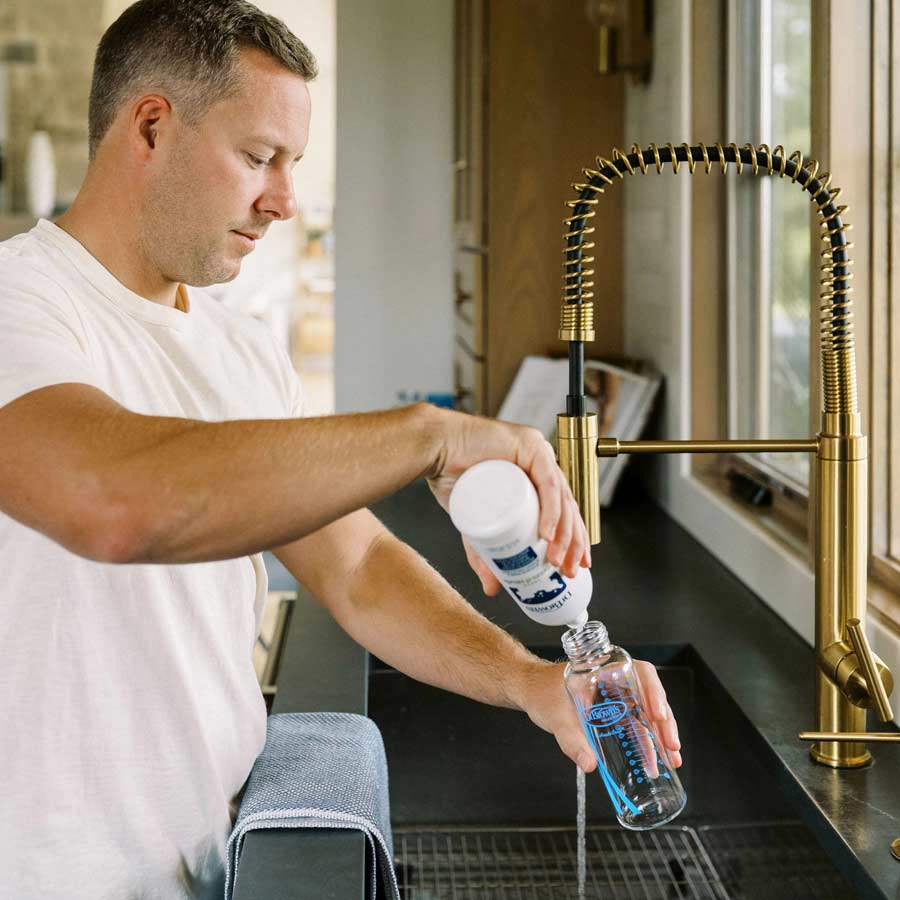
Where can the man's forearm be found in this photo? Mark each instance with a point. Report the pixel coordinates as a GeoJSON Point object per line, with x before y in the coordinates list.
{"type": "Point", "coordinates": [208, 491]}
{"type": "Point", "coordinates": [405, 613]}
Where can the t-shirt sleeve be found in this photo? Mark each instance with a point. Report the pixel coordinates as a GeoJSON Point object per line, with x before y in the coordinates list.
{"type": "Point", "coordinates": [41, 341]}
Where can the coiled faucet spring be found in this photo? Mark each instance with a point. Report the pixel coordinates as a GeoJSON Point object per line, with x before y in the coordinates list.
{"type": "Point", "coordinates": [837, 343]}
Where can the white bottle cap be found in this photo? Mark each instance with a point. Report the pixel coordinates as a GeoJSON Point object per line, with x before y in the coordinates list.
{"type": "Point", "coordinates": [580, 621]}
{"type": "Point", "coordinates": [491, 498]}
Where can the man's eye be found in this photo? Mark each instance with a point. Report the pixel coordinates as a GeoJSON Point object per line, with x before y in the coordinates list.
{"type": "Point", "coordinates": [255, 161]}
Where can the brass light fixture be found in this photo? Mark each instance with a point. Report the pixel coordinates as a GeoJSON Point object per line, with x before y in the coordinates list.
{"type": "Point", "coordinates": [850, 678]}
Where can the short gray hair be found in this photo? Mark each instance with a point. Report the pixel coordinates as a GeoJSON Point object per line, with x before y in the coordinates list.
{"type": "Point", "coordinates": [187, 49]}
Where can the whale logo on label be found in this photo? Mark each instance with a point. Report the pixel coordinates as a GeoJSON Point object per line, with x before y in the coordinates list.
{"type": "Point", "coordinates": [605, 714]}
{"type": "Point", "coordinates": [551, 589]}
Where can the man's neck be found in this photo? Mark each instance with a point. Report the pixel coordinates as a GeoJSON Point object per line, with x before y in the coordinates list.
{"type": "Point", "coordinates": [111, 240]}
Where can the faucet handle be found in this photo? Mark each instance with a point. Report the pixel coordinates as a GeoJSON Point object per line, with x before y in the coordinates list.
{"type": "Point", "coordinates": [873, 680]}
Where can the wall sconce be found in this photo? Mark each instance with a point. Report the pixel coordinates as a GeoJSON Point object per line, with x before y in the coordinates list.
{"type": "Point", "coordinates": [624, 30]}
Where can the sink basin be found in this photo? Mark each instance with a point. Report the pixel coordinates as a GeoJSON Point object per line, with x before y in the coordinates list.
{"type": "Point", "coordinates": [484, 803]}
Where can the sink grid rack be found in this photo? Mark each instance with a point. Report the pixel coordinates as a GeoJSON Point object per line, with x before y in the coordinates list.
{"type": "Point", "coordinates": [778, 861]}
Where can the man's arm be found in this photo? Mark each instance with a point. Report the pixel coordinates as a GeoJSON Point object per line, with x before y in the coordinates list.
{"type": "Point", "coordinates": [113, 485]}
{"type": "Point", "coordinates": [393, 603]}
{"type": "Point", "coordinates": [117, 486]}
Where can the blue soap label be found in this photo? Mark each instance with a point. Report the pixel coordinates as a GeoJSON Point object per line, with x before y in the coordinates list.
{"type": "Point", "coordinates": [519, 561]}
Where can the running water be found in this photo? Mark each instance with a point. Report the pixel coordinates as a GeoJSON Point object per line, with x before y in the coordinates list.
{"type": "Point", "coordinates": [582, 856]}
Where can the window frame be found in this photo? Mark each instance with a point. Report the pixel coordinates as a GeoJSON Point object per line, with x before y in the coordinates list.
{"type": "Point", "coordinates": [884, 312]}
{"type": "Point", "coordinates": [682, 227]}
{"type": "Point", "coordinates": [749, 297]}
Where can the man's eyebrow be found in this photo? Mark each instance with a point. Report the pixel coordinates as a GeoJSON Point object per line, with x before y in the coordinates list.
{"type": "Point", "coordinates": [278, 148]}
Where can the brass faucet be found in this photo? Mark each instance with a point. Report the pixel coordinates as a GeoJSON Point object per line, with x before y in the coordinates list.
{"type": "Point", "coordinates": [850, 678]}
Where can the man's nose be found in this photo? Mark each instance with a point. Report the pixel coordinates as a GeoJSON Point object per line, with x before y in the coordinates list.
{"type": "Point", "coordinates": [279, 201]}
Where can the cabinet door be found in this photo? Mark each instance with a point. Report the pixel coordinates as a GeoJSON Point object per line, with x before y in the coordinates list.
{"type": "Point", "coordinates": [550, 114]}
{"type": "Point", "coordinates": [469, 88]}
{"type": "Point", "coordinates": [468, 377]}
{"type": "Point", "coordinates": [469, 300]}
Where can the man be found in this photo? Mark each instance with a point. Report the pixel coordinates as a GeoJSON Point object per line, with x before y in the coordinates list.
{"type": "Point", "coordinates": [152, 445]}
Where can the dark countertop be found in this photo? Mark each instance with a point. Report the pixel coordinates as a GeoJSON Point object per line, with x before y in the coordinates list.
{"type": "Point", "coordinates": [653, 585]}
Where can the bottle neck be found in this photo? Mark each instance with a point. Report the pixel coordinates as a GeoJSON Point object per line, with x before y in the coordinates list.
{"type": "Point", "coordinates": [584, 643]}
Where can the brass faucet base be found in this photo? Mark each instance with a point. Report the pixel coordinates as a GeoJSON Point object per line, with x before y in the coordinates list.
{"type": "Point", "coordinates": [840, 761]}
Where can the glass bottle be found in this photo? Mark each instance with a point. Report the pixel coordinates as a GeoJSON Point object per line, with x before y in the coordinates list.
{"type": "Point", "coordinates": [631, 759]}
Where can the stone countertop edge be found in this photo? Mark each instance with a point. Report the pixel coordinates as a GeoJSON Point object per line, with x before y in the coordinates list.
{"type": "Point", "coordinates": [663, 589]}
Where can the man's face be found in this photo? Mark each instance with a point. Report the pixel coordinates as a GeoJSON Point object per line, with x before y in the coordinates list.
{"type": "Point", "coordinates": [232, 174]}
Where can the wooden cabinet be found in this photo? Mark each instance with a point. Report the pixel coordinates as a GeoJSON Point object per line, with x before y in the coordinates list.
{"type": "Point", "coordinates": [530, 113]}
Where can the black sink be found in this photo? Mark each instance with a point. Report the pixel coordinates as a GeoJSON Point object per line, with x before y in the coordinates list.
{"type": "Point", "coordinates": [469, 783]}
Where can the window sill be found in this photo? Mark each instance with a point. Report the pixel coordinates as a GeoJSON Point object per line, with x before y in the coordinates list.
{"type": "Point", "coordinates": [884, 603]}
{"type": "Point", "coordinates": [789, 536]}
{"type": "Point", "coordinates": [883, 594]}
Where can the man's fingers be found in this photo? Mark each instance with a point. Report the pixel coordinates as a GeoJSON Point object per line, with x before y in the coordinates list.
{"type": "Point", "coordinates": [668, 732]}
{"type": "Point", "coordinates": [557, 551]}
{"type": "Point", "coordinates": [561, 524]}
{"type": "Point", "coordinates": [656, 708]}
{"type": "Point", "coordinates": [653, 691]}
{"type": "Point", "coordinates": [577, 545]}
{"type": "Point", "coordinates": [662, 718]}
{"type": "Point", "coordinates": [539, 461]}
{"type": "Point", "coordinates": [576, 747]}
{"type": "Point", "coordinates": [647, 751]}
{"type": "Point", "coordinates": [551, 509]}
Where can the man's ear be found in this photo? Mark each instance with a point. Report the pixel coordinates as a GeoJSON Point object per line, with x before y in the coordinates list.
{"type": "Point", "coordinates": [147, 130]}
{"type": "Point", "coordinates": [151, 118]}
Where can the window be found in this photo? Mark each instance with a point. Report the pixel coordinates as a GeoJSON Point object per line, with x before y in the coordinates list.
{"type": "Point", "coordinates": [847, 115]}
{"type": "Point", "coordinates": [769, 224]}
{"type": "Point", "coordinates": [885, 308]}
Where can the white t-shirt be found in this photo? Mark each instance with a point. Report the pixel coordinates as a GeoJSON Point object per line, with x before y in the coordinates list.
{"type": "Point", "coordinates": [130, 713]}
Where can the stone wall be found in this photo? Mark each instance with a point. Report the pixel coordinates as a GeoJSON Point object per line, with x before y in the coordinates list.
{"type": "Point", "coordinates": [50, 93]}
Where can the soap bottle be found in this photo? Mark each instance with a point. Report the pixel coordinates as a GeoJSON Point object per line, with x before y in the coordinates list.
{"type": "Point", "coordinates": [632, 760]}
{"type": "Point", "coordinates": [495, 506]}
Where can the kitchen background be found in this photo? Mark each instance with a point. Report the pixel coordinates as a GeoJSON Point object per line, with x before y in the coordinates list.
{"type": "Point", "coordinates": [426, 256]}
{"type": "Point", "coordinates": [46, 57]}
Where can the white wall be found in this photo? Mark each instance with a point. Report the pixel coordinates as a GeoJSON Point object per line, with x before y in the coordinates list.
{"type": "Point", "coordinates": [393, 232]}
{"type": "Point", "coordinates": [657, 227]}
{"type": "Point", "coordinates": [313, 21]}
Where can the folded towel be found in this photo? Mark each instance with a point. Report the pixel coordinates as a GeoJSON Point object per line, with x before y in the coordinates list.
{"type": "Point", "coordinates": [319, 770]}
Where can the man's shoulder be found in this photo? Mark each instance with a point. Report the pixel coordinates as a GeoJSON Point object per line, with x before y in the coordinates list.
{"type": "Point", "coordinates": [20, 250]}
{"type": "Point", "coordinates": [27, 266]}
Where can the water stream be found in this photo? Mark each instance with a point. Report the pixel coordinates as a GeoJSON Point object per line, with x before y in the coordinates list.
{"type": "Point", "coordinates": [582, 856]}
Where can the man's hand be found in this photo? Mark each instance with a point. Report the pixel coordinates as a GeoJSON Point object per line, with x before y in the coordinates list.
{"type": "Point", "coordinates": [466, 440]}
{"type": "Point", "coordinates": [543, 696]}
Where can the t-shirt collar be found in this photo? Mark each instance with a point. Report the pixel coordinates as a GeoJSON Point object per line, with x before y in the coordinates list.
{"type": "Point", "coordinates": [113, 289]}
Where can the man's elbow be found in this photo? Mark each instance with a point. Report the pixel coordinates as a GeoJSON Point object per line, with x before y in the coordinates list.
{"type": "Point", "coordinates": [109, 531]}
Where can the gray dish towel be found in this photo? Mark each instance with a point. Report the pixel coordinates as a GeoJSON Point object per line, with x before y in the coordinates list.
{"type": "Point", "coordinates": [319, 770]}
